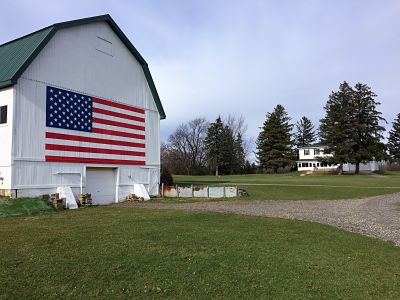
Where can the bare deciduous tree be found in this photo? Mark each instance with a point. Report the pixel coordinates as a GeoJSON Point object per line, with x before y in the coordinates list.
{"type": "Point", "coordinates": [184, 153]}
{"type": "Point", "coordinates": [238, 125]}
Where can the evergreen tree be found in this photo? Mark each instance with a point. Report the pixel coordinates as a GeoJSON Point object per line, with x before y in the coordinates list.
{"type": "Point", "coordinates": [394, 140]}
{"type": "Point", "coordinates": [239, 155]}
{"type": "Point", "coordinates": [305, 134]}
{"type": "Point", "coordinates": [227, 164]}
{"type": "Point", "coordinates": [335, 128]}
{"type": "Point", "coordinates": [274, 145]}
{"type": "Point", "coordinates": [250, 168]}
{"type": "Point", "coordinates": [366, 124]}
{"type": "Point", "coordinates": [351, 127]}
{"type": "Point", "coordinates": [219, 147]}
{"type": "Point", "coordinates": [213, 145]}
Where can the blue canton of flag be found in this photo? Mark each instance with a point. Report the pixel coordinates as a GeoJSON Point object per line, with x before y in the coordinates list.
{"type": "Point", "coordinates": [68, 110]}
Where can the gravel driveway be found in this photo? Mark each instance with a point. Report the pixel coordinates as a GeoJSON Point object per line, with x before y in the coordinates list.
{"type": "Point", "coordinates": [377, 217]}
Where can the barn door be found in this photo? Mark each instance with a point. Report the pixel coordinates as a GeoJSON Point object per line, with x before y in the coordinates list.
{"type": "Point", "coordinates": [101, 183]}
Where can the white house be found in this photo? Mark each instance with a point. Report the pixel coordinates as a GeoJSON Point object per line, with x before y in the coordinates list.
{"type": "Point", "coordinates": [309, 160]}
{"type": "Point", "coordinates": [79, 109]}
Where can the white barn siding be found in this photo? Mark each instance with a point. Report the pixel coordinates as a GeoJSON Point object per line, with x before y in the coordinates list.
{"type": "Point", "coordinates": [30, 121]}
{"type": "Point", "coordinates": [6, 98]}
{"type": "Point", "coordinates": [129, 175]}
{"type": "Point", "coordinates": [70, 61]}
{"type": "Point", "coordinates": [152, 139]}
{"type": "Point", "coordinates": [32, 178]}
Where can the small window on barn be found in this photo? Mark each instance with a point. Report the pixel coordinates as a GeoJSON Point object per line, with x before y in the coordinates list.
{"type": "Point", "coordinates": [3, 114]}
{"type": "Point", "coordinates": [306, 151]}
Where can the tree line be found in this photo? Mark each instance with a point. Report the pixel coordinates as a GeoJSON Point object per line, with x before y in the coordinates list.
{"type": "Point", "coordinates": [352, 129]}
{"type": "Point", "coordinates": [201, 147]}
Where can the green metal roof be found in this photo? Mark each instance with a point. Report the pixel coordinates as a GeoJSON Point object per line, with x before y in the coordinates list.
{"type": "Point", "coordinates": [16, 55]}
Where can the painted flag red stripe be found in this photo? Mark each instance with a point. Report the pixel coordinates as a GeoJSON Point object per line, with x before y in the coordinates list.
{"type": "Point", "coordinates": [54, 158]}
{"type": "Point", "coordinates": [118, 133]}
{"type": "Point", "coordinates": [92, 150]}
{"type": "Point", "coordinates": [117, 114]}
{"type": "Point", "coordinates": [117, 124]}
{"type": "Point", "coordinates": [69, 137]}
{"type": "Point", "coordinates": [118, 105]}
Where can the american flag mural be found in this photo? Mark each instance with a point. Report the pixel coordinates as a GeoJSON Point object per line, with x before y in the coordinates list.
{"type": "Point", "coordinates": [84, 129]}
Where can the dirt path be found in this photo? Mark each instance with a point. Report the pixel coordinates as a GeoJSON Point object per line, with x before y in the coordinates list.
{"type": "Point", "coordinates": [377, 216]}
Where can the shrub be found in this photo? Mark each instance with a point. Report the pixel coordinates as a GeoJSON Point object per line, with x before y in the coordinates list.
{"type": "Point", "coordinates": [24, 207]}
{"type": "Point", "coordinates": [166, 176]}
{"type": "Point", "coordinates": [393, 166]}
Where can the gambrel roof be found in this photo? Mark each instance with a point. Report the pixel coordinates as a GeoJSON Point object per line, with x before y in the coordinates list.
{"type": "Point", "coordinates": [16, 55]}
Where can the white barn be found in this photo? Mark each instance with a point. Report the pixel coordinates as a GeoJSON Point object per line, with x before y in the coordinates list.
{"type": "Point", "coordinates": [78, 108]}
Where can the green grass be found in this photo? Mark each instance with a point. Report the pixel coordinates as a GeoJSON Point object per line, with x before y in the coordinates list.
{"type": "Point", "coordinates": [107, 252]}
{"type": "Point", "coordinates": [291, 186]}
{"type": "Point", "coordinates": [23, 207]}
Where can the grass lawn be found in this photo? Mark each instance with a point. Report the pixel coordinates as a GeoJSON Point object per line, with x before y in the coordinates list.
{"type": "Point", "coordinates": [107, 252]}
{"type": "Point", "coordinates": [291, 186]}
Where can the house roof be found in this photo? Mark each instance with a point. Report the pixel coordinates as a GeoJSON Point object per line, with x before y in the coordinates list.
{"type": "Point", "coordinates": [17, 55]}
{"type": "Point", "coordinates": [313, 146]}
{"type": "Point", "coordinates": [310, 160]}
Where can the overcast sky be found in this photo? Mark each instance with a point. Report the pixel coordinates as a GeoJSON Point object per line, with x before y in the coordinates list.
{"type": "Point", "coordinates": [244, 57]}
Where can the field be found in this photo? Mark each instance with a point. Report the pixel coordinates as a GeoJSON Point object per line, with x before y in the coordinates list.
{"type": "Point", "coordinates": [109, 252]}
{"type": "Point", "coordinates": [124, 253]}
{"type": "Point", "coordinates": [291, 186]}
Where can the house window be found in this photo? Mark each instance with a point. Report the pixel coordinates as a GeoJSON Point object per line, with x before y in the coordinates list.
{"type": "Point", "coordinates": [299, 165]}
{"type": "Point", "coordinates": [306, 151]}
{"type": "Point", "coordinates": [3, 114]}
{"type": "Point", "coordinates": [317, 151]}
